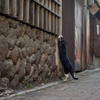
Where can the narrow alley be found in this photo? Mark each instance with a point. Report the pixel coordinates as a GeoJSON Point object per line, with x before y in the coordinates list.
{"type": "Point", "coordinates": [31, 53]}
{"type": "Point", "coordinates": [86, 88]}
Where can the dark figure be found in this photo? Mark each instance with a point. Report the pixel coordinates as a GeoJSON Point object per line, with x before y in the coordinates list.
{"type": "Point", "coordinates": [68, 67]}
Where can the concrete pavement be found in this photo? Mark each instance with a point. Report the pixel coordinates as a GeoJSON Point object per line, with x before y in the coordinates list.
{"type": "Point", "coordinates": [86, 88]}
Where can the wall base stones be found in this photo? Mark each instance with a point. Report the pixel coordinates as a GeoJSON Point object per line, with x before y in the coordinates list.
{"type": "Point", "coordinates": [25, 52]}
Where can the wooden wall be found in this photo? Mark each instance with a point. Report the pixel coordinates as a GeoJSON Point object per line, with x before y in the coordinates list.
{"type": "Point", "coordinates": [68, 27]}
{"type": "Point", "coordinates": [43, 14]}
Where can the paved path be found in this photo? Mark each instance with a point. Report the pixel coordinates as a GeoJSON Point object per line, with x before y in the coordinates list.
{"type": "Point", "coordinates": [86, 88]}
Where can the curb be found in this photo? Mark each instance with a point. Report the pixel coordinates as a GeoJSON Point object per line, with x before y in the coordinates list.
{"type": "Point", "coordinates": [50, 84]}
{"type": "Point", "coordinates": [31, 90]}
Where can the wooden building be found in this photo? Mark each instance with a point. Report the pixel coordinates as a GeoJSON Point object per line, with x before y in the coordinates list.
{"type": "Point", "coordinates": [80, 31]}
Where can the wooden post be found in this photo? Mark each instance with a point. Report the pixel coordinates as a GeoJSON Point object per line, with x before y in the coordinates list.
{"type": "Point", "coordinates": [60, 19]}
{"type": "Point", "coordinates": [20, 9]}
{"type": "Point", "coordinates": [42, 1]}
{"type": "Point", "coordinates": [26, 10]}
{"type": "Point", "coordinates": [0, 5]}
{"type": "Point", "coordinates": [53, 18]}
{"type": "Point", "coordinates": [42, 17]}
{"type": "Point", "coordinates": [32, 13]}
{"type": "Point", "coordinates": [57, 9]}
{"type": "Point", "coordinates": [58, 0]}
{"type": "Point", "coordinates": [10, 3]}
{"type": "Point", "coordinates": [14, 8]}
{"type": "Point", "coordinates": [49, 4]}
{"type": "Point", "coordinates": [56, 25]}
{"type": "Point", "coordinates": [58, 62]}
{"type": "Point", "coordinates": [46, 16]}
{"type": "Point", "coordinates": [53, 23]}
{"type": "Point", "coordinates": [6, 7]}
{"type": "Point", "coordinates": [46, 20]}
{"type": "Point", "coordinates": [46, 3]}
{"type": "Point", "coordinates": [49, 17]}
{"type": "Point", "coordinates": [56, 20]}
{"type": "Point", "coordinates": [37, 15]}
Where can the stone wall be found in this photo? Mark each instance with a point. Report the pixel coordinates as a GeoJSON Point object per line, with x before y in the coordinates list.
{"type": "Point", "coordinates": [25, 51]}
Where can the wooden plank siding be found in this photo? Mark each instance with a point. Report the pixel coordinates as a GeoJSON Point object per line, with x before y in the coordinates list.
{"type": "Point", "coordinates": [43, 14]}
{"type": "Point", "coordinates": [68, 27]}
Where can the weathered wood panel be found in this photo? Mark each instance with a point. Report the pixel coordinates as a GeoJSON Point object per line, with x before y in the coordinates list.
{"type": "Point", "coordinates": [68, 27]}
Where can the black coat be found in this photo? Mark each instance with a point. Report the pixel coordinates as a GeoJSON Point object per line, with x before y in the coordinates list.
{"type": "Point", "coordinates": [68, 67]}
{"type": "Point", "coordinates": [63, 55]}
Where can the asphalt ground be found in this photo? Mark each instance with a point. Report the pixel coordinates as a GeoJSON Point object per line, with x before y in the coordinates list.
{"type": "Point", "coordinates": [87, 87]}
